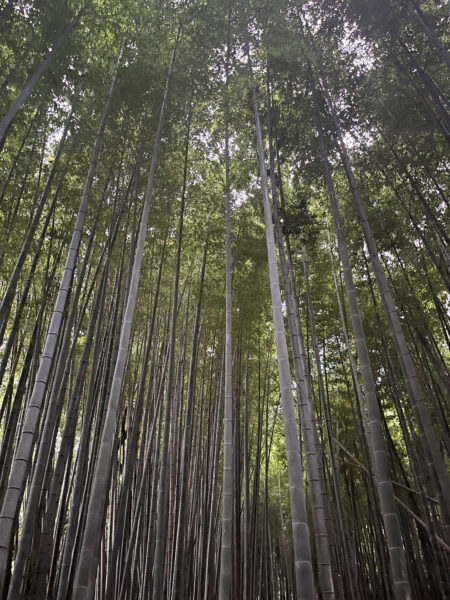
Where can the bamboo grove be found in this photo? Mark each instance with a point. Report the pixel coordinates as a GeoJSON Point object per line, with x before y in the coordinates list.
{"type": "Point", "coordinates": [224, 299]}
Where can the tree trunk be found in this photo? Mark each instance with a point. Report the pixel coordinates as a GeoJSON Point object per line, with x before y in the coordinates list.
{"type": "Point", "coordinates": [22, 460]}
{"type": "Point", "coordinates": [83, 587]}
{"type": "Point", "coordinates": [433, 454]}
{"type": "Point", "coordinates": [226, 554]}
{"type": "Point", "coordinates": [300, 529]}
{"type": "Point", "coordinates": [379, 455]}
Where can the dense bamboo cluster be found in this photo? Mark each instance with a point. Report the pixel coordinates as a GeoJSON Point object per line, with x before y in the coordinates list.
{"type": "Point", "coordinates": [224, 282]}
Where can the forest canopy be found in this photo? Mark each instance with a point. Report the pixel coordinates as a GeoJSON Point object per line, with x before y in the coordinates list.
{"type": "Point", "coordinates": [224, 299]}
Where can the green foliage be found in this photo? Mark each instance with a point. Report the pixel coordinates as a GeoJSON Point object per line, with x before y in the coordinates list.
{"type": "Point", "coordinates": [389, 114]}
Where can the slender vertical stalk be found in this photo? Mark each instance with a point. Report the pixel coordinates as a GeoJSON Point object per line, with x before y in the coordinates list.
{"type": "Point", "coordinates": [430, 444]}
{"type": "Point", "coordinates": [226, 555]}
{"type": "Point", "coordinates": [7, 300]}
{"type": "Point", "coordinates": [324, 535]}
{"type": "Point", "coordinates": [300, 530]}
{"type": "Point", "coordinates": [379, 455]}
{"type": "Point", "coordinates": [22, 460]}
{"type": "Point", "coordinates": [163, 493]}
{"type": "Point", "coordinates": [83, 587]}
